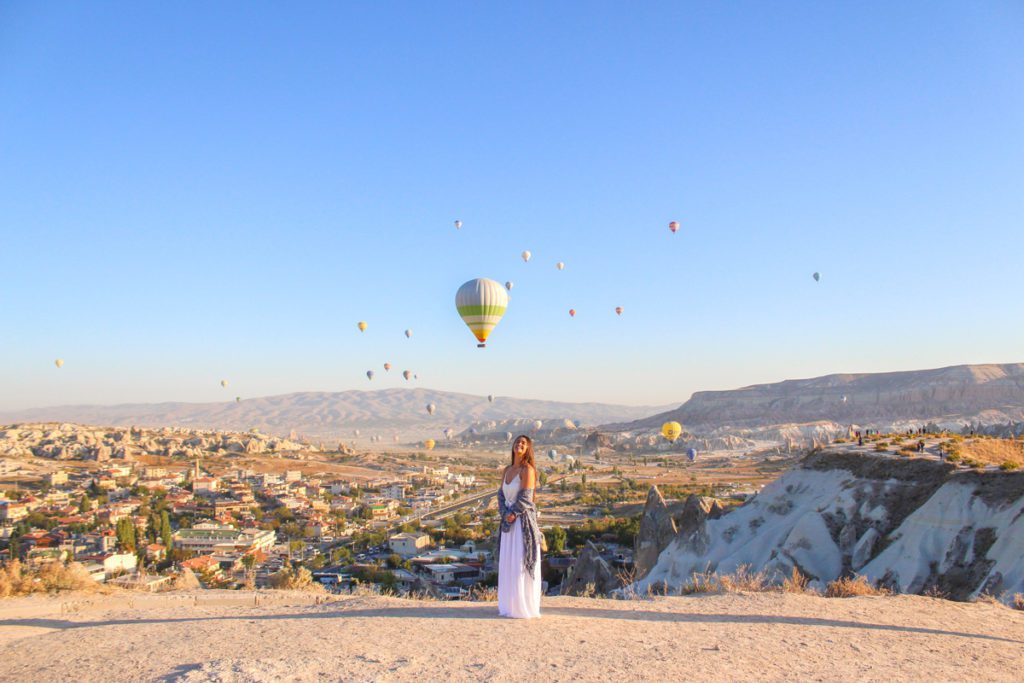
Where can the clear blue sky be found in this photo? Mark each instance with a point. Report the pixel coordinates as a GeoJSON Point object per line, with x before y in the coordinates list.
{"type": "Point", "coordinates": [196, 191]}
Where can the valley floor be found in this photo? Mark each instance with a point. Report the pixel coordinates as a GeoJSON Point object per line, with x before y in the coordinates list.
{"type": "Point", "coordinates": [237, 636]}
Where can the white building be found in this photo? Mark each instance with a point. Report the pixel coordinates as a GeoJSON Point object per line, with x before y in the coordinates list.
{"type": "Point", "coordinates": [408, 544]}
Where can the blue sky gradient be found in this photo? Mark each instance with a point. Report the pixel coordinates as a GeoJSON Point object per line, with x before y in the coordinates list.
{"type": "Point", "coordinates": [192, 192]}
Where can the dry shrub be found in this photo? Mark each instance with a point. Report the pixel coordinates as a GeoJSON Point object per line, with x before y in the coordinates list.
{"type": "Point", "coordinates": [744, 581]}
{"type": "Point", "coordinates": [795, 583]}
{"type": "Point", "coordinates": [701, 582]}
{"type": "Point", "coordinates": [483, 594]}
{"type": "Point", "coordinates": [295, 579]}
{"type": "Point", "coordinates": [848, 587]}
{"type": "Point", "coordinates": [18, 579]}
{"type": "Point", "coordinates": [1018, 601]}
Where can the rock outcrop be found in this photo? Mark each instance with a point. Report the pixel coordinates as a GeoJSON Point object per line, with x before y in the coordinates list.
{"type": "Point", "coordinates": [912, 525]}
{"type": "Point", "coordinates": [657, 530]}
{"type": "Point", "coordinates": [590, 575]}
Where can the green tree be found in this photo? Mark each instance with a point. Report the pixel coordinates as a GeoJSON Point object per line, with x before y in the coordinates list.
{"type": "Point", "coordinates": [85, 505]}
{"type": "Point", "coordinates": [125, 530]}
{"type": "Point", "coordinates": [556, 539]}
{"type": "Point", "coordinates": [166, 537]}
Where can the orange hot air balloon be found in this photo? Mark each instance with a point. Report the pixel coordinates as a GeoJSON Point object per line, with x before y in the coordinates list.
{"type": "Point", "coordinates": [674, 226]}
{"type": "Point", "coordinates": [572, 312]}
{"type": "Point", "coordinates": [618, 310]}
{"type": "Point", "coordinates": [387, 367]}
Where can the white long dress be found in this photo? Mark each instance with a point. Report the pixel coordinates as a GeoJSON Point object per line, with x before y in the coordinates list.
{"type": "Point", "coordinates": [518, 591]}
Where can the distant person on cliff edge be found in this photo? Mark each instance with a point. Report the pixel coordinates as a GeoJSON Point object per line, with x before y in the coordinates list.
{"type": "Point", "coordinates": [519, 537]}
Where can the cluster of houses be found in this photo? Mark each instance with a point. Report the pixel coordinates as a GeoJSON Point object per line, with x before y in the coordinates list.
{"type": "Point", "coordinates": [217, 520]}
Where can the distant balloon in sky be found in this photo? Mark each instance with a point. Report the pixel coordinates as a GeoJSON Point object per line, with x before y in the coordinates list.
{"type": "Point", "coordinates": [671, 430]}
{"type": "Point", "coordinates": [458, 224]}
{"type": "Point", "coordinates": [552, 454]}
{"type": "Point", "coordinates": [844, 399]}
{"type": "Point", "coordinates": [448, 432]}
{"type": "Point", "coordinates": [223, 382]}
{"type": "Point", "coordinates": [508, 436]}
{"type": "Point", "coordinates": [691, 454]}
{"type": "Point", "coordinates": [526, 256]}
{"type": "Point", "coordinates": [387, 367]}
{"type": "Point", "coordinates": [674, 226]}
{"type": "Point", "coordinates": [356, 432]}
{"type": "Point", "coordinates": [817, 277]}
{"type": "Point", "coordinates": [238, 399]}
{"type": "Point", "coordinates": [415, 376]}
{"type": "Point", "coordinates": [369, 374]}
{"type": "Point", "coordinates": [406, 374]}
{"type": "Point", "coordinates": [362, 326]}
{"type": "Point", "coordinates": [618, 310]}
{"type": "Point", "coordinates": [396, 438]}
{"type": "Point", "coordinates": [429, 444]}
{"type": "Point", "coordinates": [509, 285]}
{"type": "Point", "coordinates": [481, 304]}
{"type": "Point", "coordinates": [490, 398]}
{"type": "Point", "coordinates": [431, 408]}
{"type": "Point", "coordinates": [408, 333]}
{"type": "Point", "coordinates": [537, 425]}
{"type": "Point", "coordinates": [572, 312]}
{"type": "Point", "coordinates": [560, 265]}
{"type": "Point", "coordinates": [59, 362]}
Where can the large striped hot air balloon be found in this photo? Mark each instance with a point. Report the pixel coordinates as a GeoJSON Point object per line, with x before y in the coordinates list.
{"type": "Point", "coordinates": [481, 304]}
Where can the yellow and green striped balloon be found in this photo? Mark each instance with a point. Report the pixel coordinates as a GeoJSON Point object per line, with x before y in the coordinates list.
{"type": "Point", "coordinates": [481, 304]}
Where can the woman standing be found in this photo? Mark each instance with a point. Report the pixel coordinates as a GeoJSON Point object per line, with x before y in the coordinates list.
{"type": "Point", "coordinates": [518, 536]}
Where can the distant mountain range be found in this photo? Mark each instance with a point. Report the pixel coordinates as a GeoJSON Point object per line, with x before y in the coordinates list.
{"type": "Point", "coordinates": [324, 415]}
{"type": "Point", "coordinates": [984, 393]}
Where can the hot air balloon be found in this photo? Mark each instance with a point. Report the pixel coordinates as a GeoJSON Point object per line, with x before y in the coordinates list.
{"type": "Point", "coordinates": [238, 399]}
{"type": "Point", "coordinates": [509, 285]}
{"type": "Point", "coordinates": [431, 408]}
{"type": "Point", "coordinates": [552, 454]}
{"type": "Point", "coordinates": [618, 310]}
{"type": "Point", "coordinates": [560, 265]}
{"type": "Point", "coordinates": [817, 277]}
{"type": "Point", "coordinates": [362, 326]}
{"type": "Point", "coordinates": [406, 374]}
{"type": "Point", "coordinates": [408, 333]}
{"type": "Point", "coordinates": [458, 224]}
{"type": "Point", "coordinates": [537, 425]}
{"type": "Point", "coordinates": [415, 376]}
{"type": "Point", "coordinates": [572, 312]}
{"type": "Point", "coordinates": [526, 256]}
{"type": "Point", "coordinates": [508, 436]}
{"type": "Point", "coordinates": [387, 367]}
{"type": "Point", "coordinates": [429, 444]}
{"type": "Point", "coordinates": [369, 374]}
{"type": "Point", "coordinates": [59, 362]}
{"type": "Point", "coordinates": [674, 226]}
{"type": "Point", "coordinates": [396, 438]}
{"type": "Point", "coordinates": [355, 432]}
{"type": "Point", "coordinates": [481, 304]}
{"type": "Point", "coordinates": [448, 432]}
{"type": "Point", "coordinates": [844, 399]}
{"type": "Point", "coordinates": [223, 382]}
{"type": "Point", "coordinates": [671, 430]}
{"type": "Point", "coordinates": [490, 398]}
{"type": "Point", "coordinates": [691, 454]}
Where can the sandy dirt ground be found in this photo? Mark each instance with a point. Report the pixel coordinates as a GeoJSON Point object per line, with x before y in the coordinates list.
{"type": "Point", "coordinates": [223, 636]}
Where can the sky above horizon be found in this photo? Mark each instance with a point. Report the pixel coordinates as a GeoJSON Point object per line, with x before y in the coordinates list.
{"type": "Point", "coordinates": [191, 192]}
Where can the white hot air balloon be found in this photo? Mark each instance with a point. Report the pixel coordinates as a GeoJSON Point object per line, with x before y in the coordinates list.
{"type": "Point", "coordinates": [408, 334]}
{"type": "Point", "coordinates": [355, 432]}
{"type": "Point", "coordinates": [537, 425]}
{"type": "Point", "coordinates": [59, 362]}
{"type": "Point", "coordinates": [406, 374]}
{"type": "Point", "coordinates": [431, 408]}
{"type": "Point", "coordinates": [560, 265]}
{"type": "Point", "coordinates": [458, 224]}
{"type": "Point", "coordinates": [508, 436]}
{"type": "Point", "coordinates": [526, 256]}
{"type": "Point", "coordinates": [223, 382]}
{"type": "Point", "coordinates": [448, 432]}
{"type": "Point", "coordinates": [396, 438]}
{"type": "Point", "coordinates": [490, 398]}
{"type": "Point", "coordinates": [509, 285]}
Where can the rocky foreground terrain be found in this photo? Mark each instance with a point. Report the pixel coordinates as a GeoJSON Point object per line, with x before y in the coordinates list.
{"type": "Point", "coordinates": [907, 524]}
{"type": "Point", "coordinates": [77, 442]}
{"type": "Point", "coordinates": [240, 636]}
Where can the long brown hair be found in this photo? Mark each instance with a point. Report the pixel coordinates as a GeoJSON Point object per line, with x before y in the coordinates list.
{"type": "Point", "coordinates": [528, 455]}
